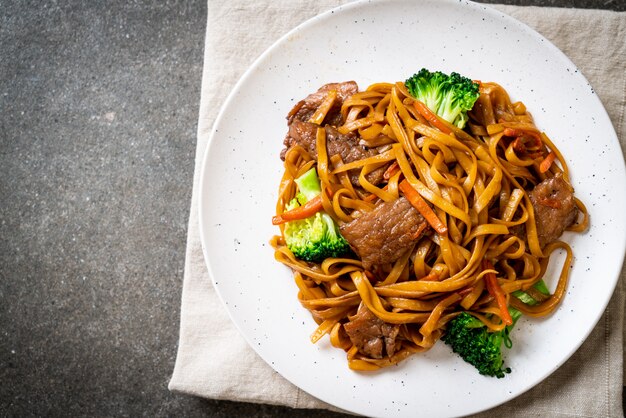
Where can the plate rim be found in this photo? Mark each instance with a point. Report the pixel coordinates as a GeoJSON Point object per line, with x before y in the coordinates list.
{"type": "Point", "coordinates": [486, 8]}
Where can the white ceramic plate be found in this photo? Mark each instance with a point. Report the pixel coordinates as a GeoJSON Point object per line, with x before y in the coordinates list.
{"type": "Point", "coordinates": [389, 41]}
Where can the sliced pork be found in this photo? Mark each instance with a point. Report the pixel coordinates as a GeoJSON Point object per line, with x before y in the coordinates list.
{"type": "Point", "coordinates": [385, 234]}
{"type": "Point", "coordinates": [371, 335]}
{"type": "Point", "coordinates": [555, 208]}
{"type": "Point", "coordinates": [304, 109]}
{"type": "Point", "coordinates": [347, 146]}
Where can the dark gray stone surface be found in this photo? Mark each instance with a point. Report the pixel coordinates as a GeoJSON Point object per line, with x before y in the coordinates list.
{"type": "Point", "coordinates": [98, 113]}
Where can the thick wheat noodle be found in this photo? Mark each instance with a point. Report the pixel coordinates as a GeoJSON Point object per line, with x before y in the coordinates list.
{"type": "Point", "coordinates": [477, 184]}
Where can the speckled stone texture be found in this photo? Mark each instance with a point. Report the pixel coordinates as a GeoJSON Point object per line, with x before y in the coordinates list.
{"type": "Point", "coordinates": [98, 114]}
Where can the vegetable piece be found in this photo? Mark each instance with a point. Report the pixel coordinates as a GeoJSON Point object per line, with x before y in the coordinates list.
{"type": "Point", "coordinates": [422, 207]}
{"type": "Point", "coordinates": [518, 133]}
{"type": "Point", "coordinates": [430, 117]}
{"type": "Point", "coordinates": [308, 185]}
{"type": "Point", "coordinates": [391, 170]}
{"type": "Point", "coordinates": [547, 162]}
{"type": "Point", "coordinates": [309, 197]}
{"type": "Point", "coordinates": [300, 212]}
{"type": "Point", "coordinates": [472, 340]}
{"type": "Point", "coordinates": [495, 290]}
{"type": "Point", "coordinates": [315, 237]}
{"type": "Point", "coordinates": [449, 96]}
{"type": "Point", "coordinates": [540, 287]}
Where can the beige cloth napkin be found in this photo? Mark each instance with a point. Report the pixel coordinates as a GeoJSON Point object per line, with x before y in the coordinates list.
{"type": "Point", "coordinates": [215, 362]}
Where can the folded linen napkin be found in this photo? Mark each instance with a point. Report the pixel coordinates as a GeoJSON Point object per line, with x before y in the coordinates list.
{"type": "Point", "coordinates": [215, 362]}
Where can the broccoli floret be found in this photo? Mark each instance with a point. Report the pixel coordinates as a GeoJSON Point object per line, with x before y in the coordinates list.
{"type": "Point", "coordinates": [317, 237]}
{"type": "Point", "coordinates": [471, 339]}
{"type": "Point", "coordinates": [449, 96]}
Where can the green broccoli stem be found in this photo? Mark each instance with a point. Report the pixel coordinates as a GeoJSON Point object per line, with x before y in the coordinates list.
{"type": "Point", "coordinates": [529, 300]}
{"type": "Point", "coordinates": [309, 185]}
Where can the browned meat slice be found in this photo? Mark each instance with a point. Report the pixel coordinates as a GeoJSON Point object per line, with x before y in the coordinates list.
{"type": "Point", "coordinates": [347, 146]}
{"type": "Point", "coordinates": [371, 334]}
{"type": "Point", "coordinates": [303, 134]}
{"type": "Point", "coordinates": [383, 235]}
{"type": "Point", "coordinates": [304, 109]}
{"type": "Point", "coordinates": [555, 208]}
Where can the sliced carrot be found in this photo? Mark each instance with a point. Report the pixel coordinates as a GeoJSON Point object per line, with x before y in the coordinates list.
{"type": "Point", "coordinates": [518, 145]}
{"type": "Point", "coordinates": [520, 133]}
{"type": "Point", "coordinates": [497, 293]}
{"type": "Point", "coordinates": [370, 276]}
{"type": "Point", "coordinates": [422, 207]}
{"type": "Point", "coordinates": [420, 230]}
{"type": "Point", "coordinates": [391, 170]}
{"type": "Point", "coordinates": [307, 210]}
{"type": "Point", "coordinates": [511, 132]}
{"type": "Point", "coordinates": [431, 117]}
{"type": "Point", "coordinates": [547, 162]}
{"type": "Point", "coordinates": [370, 197]}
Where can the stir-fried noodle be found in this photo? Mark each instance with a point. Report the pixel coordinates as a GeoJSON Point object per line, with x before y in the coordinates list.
{"type": "Point", "coordinates": [482, 227]}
